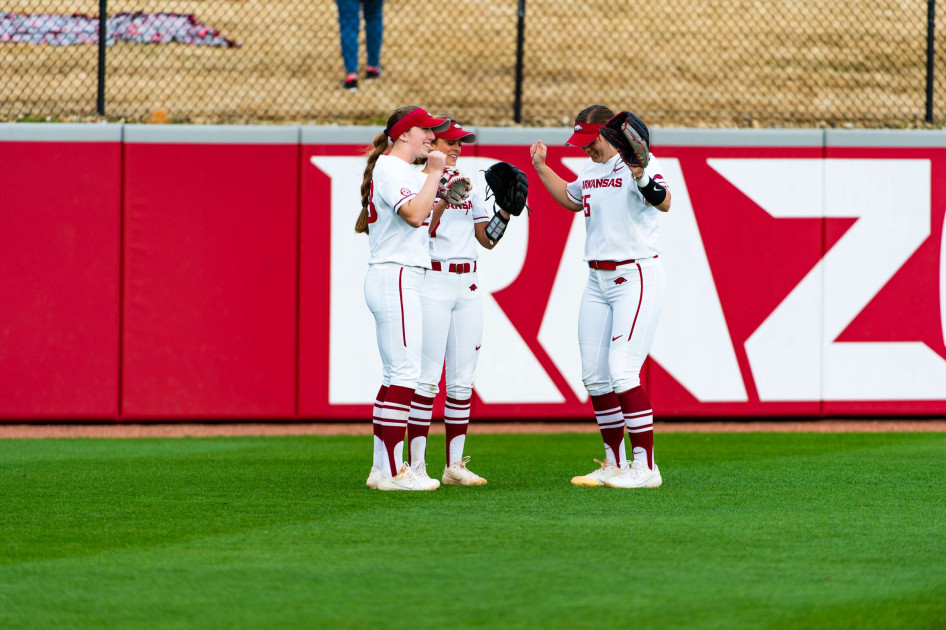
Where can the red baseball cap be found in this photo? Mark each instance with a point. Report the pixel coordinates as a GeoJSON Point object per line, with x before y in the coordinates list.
{"type": "Point", "coordinates": [585, 134]}
{"type": "Point", "coordinates": [417, 118]}
{"type": "Point", "coordinates": [456, 132]}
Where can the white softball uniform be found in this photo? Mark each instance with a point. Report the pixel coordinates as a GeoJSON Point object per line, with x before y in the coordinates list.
{"type": "Point", "coordinates": [619, 223]}
{"type": "Point", "coordinates": [454, 237]}
{"type": "Point", "coordinates": [450, 299]}
{"type": "Point", "coordinates": [392, 292]}
{"type": "Point", "coordinates": [398, 261]}
{"type": "Point", "coordinates": [394, 182]}
{"type": "Point", "coordinates": [624, 295]}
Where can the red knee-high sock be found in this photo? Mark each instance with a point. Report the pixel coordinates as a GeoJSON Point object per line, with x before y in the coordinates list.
{"type": "Point", "coordinates": [418, 426]}
{"type": "Point", "coordinates": [639, 417]}
{"type": "Point", "coordinates": [394, 413]}
{"type": "Point", "coordinates": [378, 460]}
{"type": "Point", "coordinates": [456, 420]}
{"type": "Point", "coordinates": [611, 424]}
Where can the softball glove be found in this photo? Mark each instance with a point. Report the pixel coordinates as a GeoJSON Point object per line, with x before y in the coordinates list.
{"type": "Point", "coordinates": [509, 185]}
{"type": "Point", "coordinates": [629, 135]}
{"type": "Point", "coordinates": [454, 188]}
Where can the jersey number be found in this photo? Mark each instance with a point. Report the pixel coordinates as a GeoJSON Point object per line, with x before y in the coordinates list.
{"type": "Point", "coordinates": [372, 212]}
{"type": "Point", "coordinates": [584, 204]}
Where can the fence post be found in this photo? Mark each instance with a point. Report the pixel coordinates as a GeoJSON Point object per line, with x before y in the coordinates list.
{"type": "Point", "coordinates": [520, 41]}
{"type": "Point", "coordinates": [930, 56]}
{"type": "Point", "coordinates": [103, 35]}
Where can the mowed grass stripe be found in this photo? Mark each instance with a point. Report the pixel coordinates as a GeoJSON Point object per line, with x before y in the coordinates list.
{"type": "Point", "coordinates": [749, 530]}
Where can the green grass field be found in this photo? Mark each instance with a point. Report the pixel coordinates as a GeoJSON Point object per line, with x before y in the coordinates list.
{"type": "Point", "coordinates": [748, 531]}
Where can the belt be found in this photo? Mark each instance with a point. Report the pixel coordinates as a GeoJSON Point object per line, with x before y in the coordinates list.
{"type": "Point", "coordinates": [611, 265]}
{"type": "Point", "coordinates": [454, 267]}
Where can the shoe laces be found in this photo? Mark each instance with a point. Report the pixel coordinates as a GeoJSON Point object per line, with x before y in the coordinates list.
{"type": "Point", "coordinates": [419, 469]}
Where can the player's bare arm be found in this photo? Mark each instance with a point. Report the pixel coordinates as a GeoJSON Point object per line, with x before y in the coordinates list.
{"type": "Point", "coordinates": [416, 211]}
{"type": "Point", "coordinates": [664, 206]}
{"type": "Point", "coordinates": [637, 172]}
{"type": "Point", "coordinates": [479, 231]}
{"type": "Point", "coordinates": [550, 179]}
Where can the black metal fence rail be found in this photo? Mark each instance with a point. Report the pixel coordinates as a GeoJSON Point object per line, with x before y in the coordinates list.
{"type": "Point", "coordinates": [865, 63]}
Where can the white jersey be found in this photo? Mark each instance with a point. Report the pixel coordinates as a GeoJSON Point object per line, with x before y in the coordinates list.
{"type": "Point", "coordinates": [394, 182]}
{"type": "Point", "coordinates": [454, 238]}
{"type": "Point", "coordinates": [619, 223]}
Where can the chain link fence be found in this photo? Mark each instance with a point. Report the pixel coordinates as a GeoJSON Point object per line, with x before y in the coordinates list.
{"type": "Point", "coordinates": [696, 63]}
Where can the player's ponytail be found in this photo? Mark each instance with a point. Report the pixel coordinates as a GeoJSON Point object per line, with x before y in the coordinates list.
{"type": "Point", "coordinates": [379, 148]}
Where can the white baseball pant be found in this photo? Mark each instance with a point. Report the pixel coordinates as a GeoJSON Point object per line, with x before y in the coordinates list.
{"type": "Point", "coordinates": [617, 322]}
{"type": "Point", "coordinates": [453, 332]}
{"type": "Point", "coordinates": [393, 296]}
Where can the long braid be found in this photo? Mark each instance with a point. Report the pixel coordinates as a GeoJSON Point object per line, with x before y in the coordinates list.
{"type": "Point", "coordinates": [380, 146]}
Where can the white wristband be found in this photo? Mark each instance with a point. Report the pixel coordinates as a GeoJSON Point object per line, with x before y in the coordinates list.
{"type": "Point", "coordinates": [643, 181]}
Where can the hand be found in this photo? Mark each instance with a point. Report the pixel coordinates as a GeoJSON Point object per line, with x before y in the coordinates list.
{"type": "Point", "coordinates": [538, 152]}
{"type": "Point", "coordinates": [436, 160]}
{"type": "Point", "coordinates": [637, 171]}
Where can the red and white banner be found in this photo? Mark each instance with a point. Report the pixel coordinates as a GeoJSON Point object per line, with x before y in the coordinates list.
{"type": "Point", "coordinates": [801, 282]}
{"type": "Point", "coordinates": [806, 277]}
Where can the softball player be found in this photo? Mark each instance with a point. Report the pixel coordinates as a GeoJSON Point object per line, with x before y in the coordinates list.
{"type": "Point", "coordinates": [453, 318]}
{"type": "Point", "coordinates": [624, 295]}
{"type": "Point", "coordinates": [396, 202]}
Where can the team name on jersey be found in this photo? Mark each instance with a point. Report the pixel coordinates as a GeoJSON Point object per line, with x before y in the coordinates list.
{"type": "Point", "coordinates": [466, 205]}
{"type": "Point", "coordinates": [615, 182]}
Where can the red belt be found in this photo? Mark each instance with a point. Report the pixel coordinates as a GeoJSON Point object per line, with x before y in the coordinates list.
{"type": "Point", "coordinates": [610, 265]}
{"type": "Point", "coordinates": [453, 268]}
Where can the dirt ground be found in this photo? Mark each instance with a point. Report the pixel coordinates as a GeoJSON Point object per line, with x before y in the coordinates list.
{"type": "Point", "coordinates": [179, 430]}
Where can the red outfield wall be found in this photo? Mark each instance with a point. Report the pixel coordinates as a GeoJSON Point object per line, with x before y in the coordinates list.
{"type": "Point", "coordinates": [212, 273]}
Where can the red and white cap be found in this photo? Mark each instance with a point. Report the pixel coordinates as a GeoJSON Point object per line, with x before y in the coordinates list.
{"type": "Point", "coordinates": [417, 118]}
{"type": "Point", "coordinates": [456, 132]}
{"type": "Point", "coordinates": [584, 134]}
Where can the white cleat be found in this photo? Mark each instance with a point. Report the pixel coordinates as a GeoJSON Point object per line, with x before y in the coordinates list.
{"type": "Point", "coordinates": [420, 472]}
{"type": "Point", "coordinates": [405, 480]}
{"type": "Point", "coordinates": [375, 477]}
{"type": "Point", "coordinates": [637, 476]}
{"type": "Point", "coordinates": [598, 477]}
{"type": "Point", "coordinates": [457, 474]}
